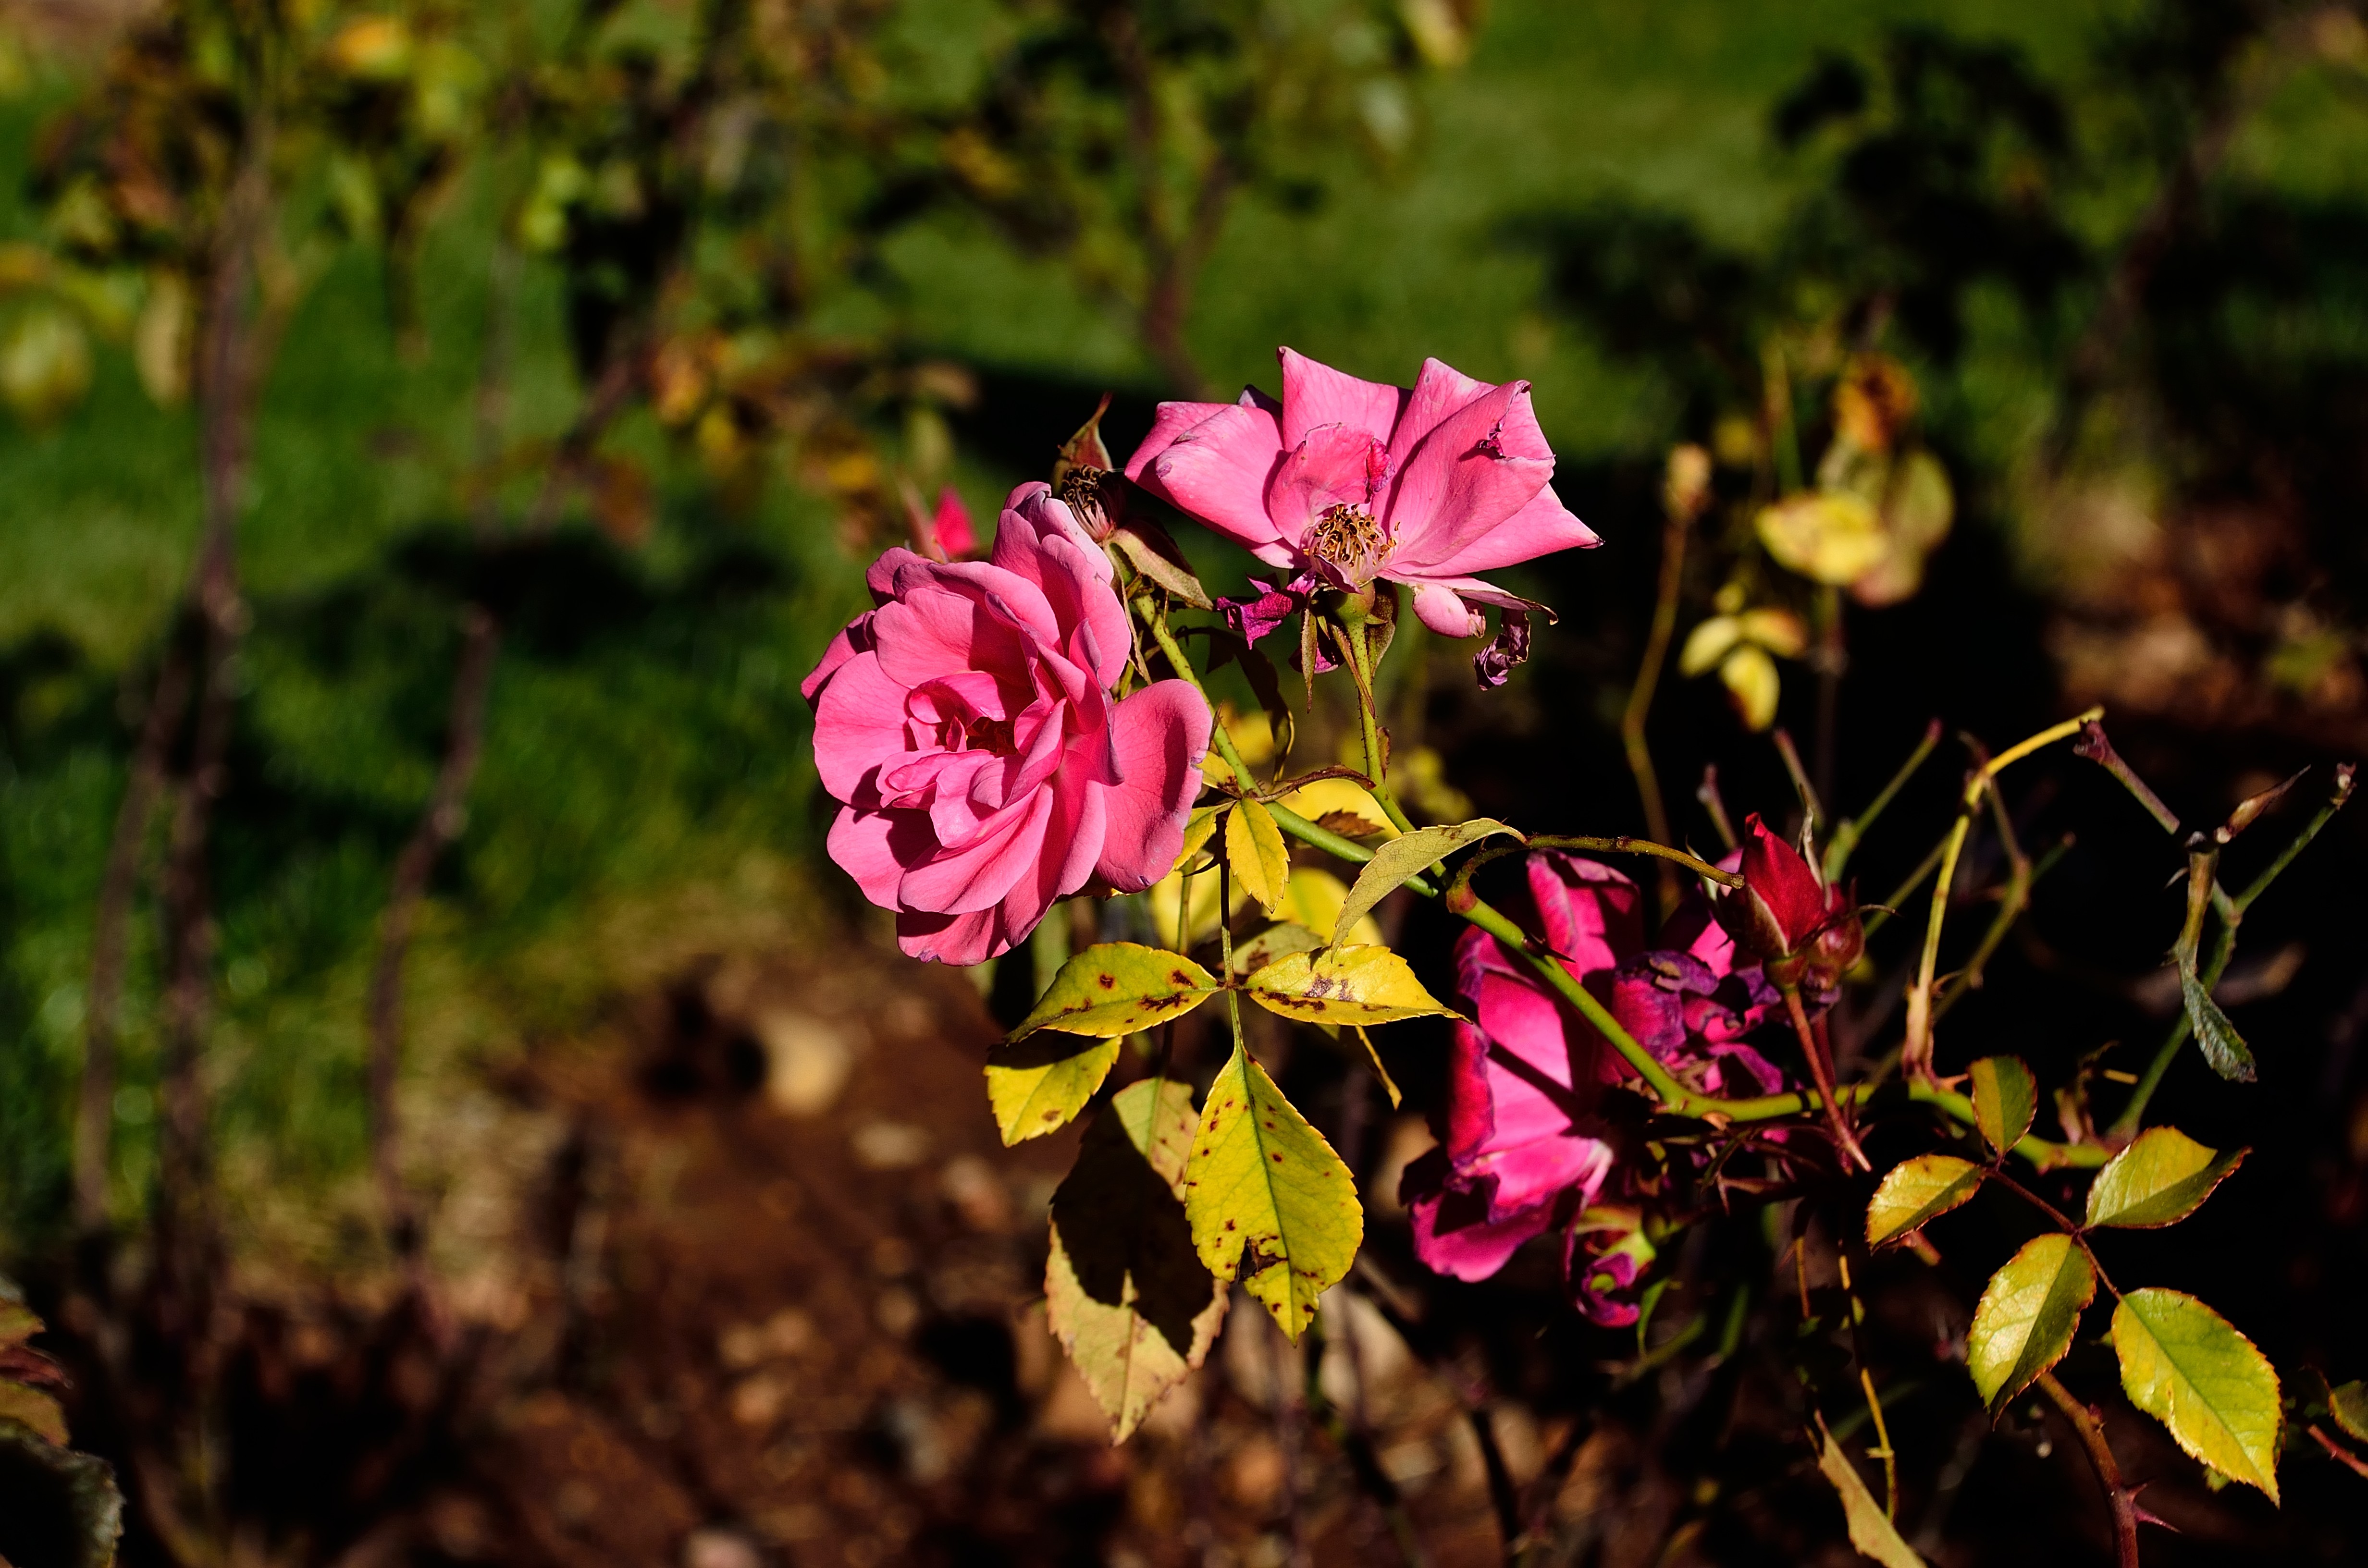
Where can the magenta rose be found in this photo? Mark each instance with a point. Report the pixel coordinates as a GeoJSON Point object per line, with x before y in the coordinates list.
{"type": "Point", "coordinates": [1344, 481]}
{"type": "Point", "coordinates": [1520, 1149]}
{"type": "Point", "coordinates": [968, 729]}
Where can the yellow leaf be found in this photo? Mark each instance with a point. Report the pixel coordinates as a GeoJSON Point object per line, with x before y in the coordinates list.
{"type": "Point", "coordinates": [1708, 644]}
{"type": "Point", "coordinates": [32, 1408]}
{"type": "Point", "coordinates": [1345, 797]}
{"type": "Point", "coordinates": [1870, 1531]}
{"type": "Point", "coordinates": [1752, 685]}
{"type": "Point", "coordinates": [1125, 1290]}
{"type": "Point", "coordinates": [1918, 1192]}
{"type": "Point", "coordinates": [1198, 828]}
{"type": "Point", "coordinates": [2183, 1365]}
{"type": "Point", "coordinates": [1117, 988]}
{"type": "Point", "coordinates": [1778, 630]}
{"type": "Point", "coordinates": [2025, 1321]}
{"type": "Point", "coordinates": [1035, 1085]}
{"type": "Point", "coordinates": [1343, 985]}
{"type": "Point", "coordinates": [1917, 507]}
{"type": "Point", "coordinates": [2162, 1178]}
{"type": "Point", "coordinates": [1315, 900]}
{"type": "Point", "coordinates": [1253, 848]}
{"type": "Point", "coordinates": [1267, 1199]}
{"type": "Point", "coordinates": [1827, 536]}
{"type": "Point", "coordinates": [1274, 942]}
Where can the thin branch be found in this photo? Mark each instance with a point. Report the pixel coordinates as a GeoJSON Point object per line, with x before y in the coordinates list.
{"type": "Point", "coordinates": [1851, 829]}
{"type": "Point", "coordinates": [2119, 1497]}
{"type": "Point", "coordinates": [1680, 509]}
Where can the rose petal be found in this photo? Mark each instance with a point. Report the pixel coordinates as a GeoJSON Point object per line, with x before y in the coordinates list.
{"type": "Point", "coordinates": [1463, 479]}
{"type": "Point", "coordinates": [1314, 394]}
{"type": "Point", "coordinates": [978, 875]}
{"type": "Point", "coordinates": [1443, 610]}
{"type": "Point", "coordinates": [1217, 471]}
{"type": "Point", "coordinates": [860, 722]}
{"type": "Point", "coordinates": [1543, 527]}
{"type": "Point", "coordinates": [1159, 735]}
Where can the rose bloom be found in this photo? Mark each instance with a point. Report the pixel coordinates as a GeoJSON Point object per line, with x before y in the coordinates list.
{"type": "Point", "coordinates": [1344, 481]}
{"type": "Point", "coordinates": [968, 729]}
{"type": "Point", "coordinates": [1521, 1149]}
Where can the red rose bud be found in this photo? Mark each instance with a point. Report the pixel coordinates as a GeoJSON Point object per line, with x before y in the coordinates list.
{"type": "Point", "coordinates": [1780, 904]}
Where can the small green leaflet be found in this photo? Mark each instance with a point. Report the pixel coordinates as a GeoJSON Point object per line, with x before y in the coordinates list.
{"type": "Point", "coordinates": [1870, 1531]}
{"type": "Point", "coordinates": [2223, 1046]}
{"type": "Point", "coordinates": [1125, 1291]}
{"type": "Point", "coordinates": [1118, 988]}
{"type": "Point", "coordinates": [2006, 1099]}
{"type": "Point", "coordinates": [1267, 1199]}
{"type": "Point", "coordinates": [1260, 860]}
{"type": "Point", "coordinates": [2183, 1365]}
{"type": "Point", "coordinates": [2348, 1406]}
{"type": "Point", "coordinates": [2161, 1179]}
{"type": "Point", "coordinates": [2024, 1321]}
{"type": "Point", "coordinates": [1035, 1085]}
{"type": "Point", "coordinates": [1198, 829]}
{"type": "Point", "coordinates": [1404, 857]}
{"type": "Point", "coordinates": [1343, 985]}
{"type": "Point", "coordinates": [1916, 1192]}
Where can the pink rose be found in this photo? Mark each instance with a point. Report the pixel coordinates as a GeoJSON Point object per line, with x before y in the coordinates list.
{"type": "Point", "coordinates": [1344, 481]}
{"type": "Point", "coordinates": [1521, 1149]}
{"type": "Point", "coordinates": [968, 728]}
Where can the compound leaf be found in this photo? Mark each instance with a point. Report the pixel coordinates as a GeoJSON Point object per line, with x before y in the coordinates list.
{"type": "Point", "coordinates": [2348, 1406]}
{"type": "Point", "coordinates": [1118, 988]}
{"type": "Point", "coordinates": [2183, 1365]}
{"type": "Point", "coordinates": [1267, 1199]}
{"type": "Point", "coordinates": [2162, 1178]}
{"type": "Point", "coordinates": [2023, 1323]}
{"type": "Point", "coordinates": [1916, 1192]}
{"type": "Point", "coordinates": [1343, 985]}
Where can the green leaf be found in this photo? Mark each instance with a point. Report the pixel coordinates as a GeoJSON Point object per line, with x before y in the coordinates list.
{"type": "Point", "coordinates": [2183, 1365]}
{"type": "Point", "coordinates": [1125, 1290]}
{"type": "Point", "coordinates": [1198, 829]}
{"type": "Point", "coordinates": [1404, 857]}
{"type": "Point", "coordinates": [1118, 988]}
{"type": "Point", "coordinates": [2006, 1099]}
{"type": "Point", "coordinates": [2024, 1321]}
{"type": "Point", "coordinates": [1916, 1192]}
{"type": "Point", "coordinates": [2223, 1046]}
{"type": "Point", "coordinates": [2161, 1178]}
{"type": "Point", "coordinates": [1253, 848]}
{"type": "Point", "coordinates": [1265, 1187]}
{"type": "Point", "coordinates": [1870, 1531]}
{"type": "Point", "coordinates": [2348, 1406]}
{"type": "Point", "coordinates": [1343, 985]}
{"type": "Point", "coordinates": [64, 1500]}
{"type": "Point", "coordinates": [1035, 1085]}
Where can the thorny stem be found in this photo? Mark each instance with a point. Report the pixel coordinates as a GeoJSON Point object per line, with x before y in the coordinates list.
{"type": "Point", "coordinates": [1377, 763]}
{"type": "Point", "coordinates": [2012, 903]}
{"type": "Point", "coordinates": [1674, 1096]}
{"type": "Point", "coordinates": [1813, 807]}
{"type": "Point", "coordinates": [1917, 1054]}
{"type": "Point", "coordinates": [1622, 843]}
{"type": "Point", "coordinates": [1715, 804]}
{"type": "Point", "coordinates": [1821, 1068]}
{"type": "Point", "coordinates": [1883, 1436]}
{"type": "Point", "coordinates": [1680, 519]}
{"type": "Point", "coordinates": [2091, 1433]}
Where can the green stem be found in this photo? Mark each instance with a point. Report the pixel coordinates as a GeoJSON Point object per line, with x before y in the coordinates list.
{"type": "Point", "coordinates": [1361, 665]}
{"type": "Point", "coordinates": [1674, 1096]}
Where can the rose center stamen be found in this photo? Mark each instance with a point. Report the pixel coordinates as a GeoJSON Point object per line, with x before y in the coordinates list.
{"type": "Point", "coordinates": [989, 735]}
{"type": "Point", "coordinates": [1347, 538]}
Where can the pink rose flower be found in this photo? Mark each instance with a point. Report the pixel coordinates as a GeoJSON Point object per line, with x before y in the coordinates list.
{"type": "Point", "coordinates": [1521, 1147]}
{"type": "Point", "coordinates": [967, 727]}
{"type": "Point", "coordinates": [1344, 481]}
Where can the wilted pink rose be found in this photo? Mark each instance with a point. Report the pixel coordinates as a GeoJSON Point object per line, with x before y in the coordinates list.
{"type": "Point", "coordinates": [1521, 1149]}
{"type": "Point", "coordinates": [1344, 481]}
{"type": "Point", "coordinates": [967, 726]}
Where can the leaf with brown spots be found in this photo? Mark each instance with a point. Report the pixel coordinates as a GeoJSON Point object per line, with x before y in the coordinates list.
{"type": "Point", "coordinates": [1261, 1182]}
{"type": "Point", "coordinates": [1036, 1086]}
{"type": "Point", "coordinates": [1118, 988]}
{"type": "Point", "coordinates": [1343, 985]}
